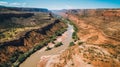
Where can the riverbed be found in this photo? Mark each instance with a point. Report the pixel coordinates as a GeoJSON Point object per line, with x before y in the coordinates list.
{"type": "Point", "coordinates": [65, 38]}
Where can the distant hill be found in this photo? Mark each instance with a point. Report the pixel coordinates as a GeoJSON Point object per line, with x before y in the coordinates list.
{"type": "Point", "coordinates": [23, 9]}
{"type": "Point", "coordinates": [11, 17]}
{"type": "Point", "coordinates": [2, 6]}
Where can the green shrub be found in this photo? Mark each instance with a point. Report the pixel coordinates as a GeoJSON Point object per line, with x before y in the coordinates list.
{"type": "Point", "coordinates": [75, 28]}
{"type": "Point", "coordinates": [15, 55]}
{"type": "Point", "coordinates": [58, 44]}
{"type": "Point", "coordinates": [21, 58]}
{"type": "Point", "coordinates": [71, 23]}
{"type": "Point", "coordinates": [71, 44]}
{"type": "Point", "coordinates": [38, 47]}
{"type": "Point", "coordinates": [13, 59]}
{"type": "Point", "coordinates": [58, 33]}
{"type": "Point", "coordinates": [74, 36]}
{"type": "Point", "coordinates": [79, 43]}
{"type": "Point", "coordinates": [4, 65]}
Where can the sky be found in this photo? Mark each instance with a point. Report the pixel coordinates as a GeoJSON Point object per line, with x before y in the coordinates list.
{"type": "Point", "coordinates": [62, 4]}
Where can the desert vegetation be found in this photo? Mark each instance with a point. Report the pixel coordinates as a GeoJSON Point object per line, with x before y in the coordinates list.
{"type": "Point", "coordinates": [71, 44]}
{"type": "Point", "coordinates": [58, 44]}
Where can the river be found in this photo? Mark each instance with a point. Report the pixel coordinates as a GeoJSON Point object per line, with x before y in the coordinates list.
{"type": "Point", "coordinates": [65, 38]}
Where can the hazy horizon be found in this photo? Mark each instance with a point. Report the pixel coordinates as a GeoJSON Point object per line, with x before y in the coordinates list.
{"type": "Point", "coordinates": [63, 4]}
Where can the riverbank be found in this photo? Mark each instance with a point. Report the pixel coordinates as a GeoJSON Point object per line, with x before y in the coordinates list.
{"type": "Point", "coordinates": [65, 38]}
{"type": "Point", "coordinates": [23, 57]}
{"type": "Point", "coordinates": [48, 59]}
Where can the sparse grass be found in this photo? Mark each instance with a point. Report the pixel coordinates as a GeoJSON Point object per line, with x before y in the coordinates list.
{"type": "Point", "coordinates": [11, 33]}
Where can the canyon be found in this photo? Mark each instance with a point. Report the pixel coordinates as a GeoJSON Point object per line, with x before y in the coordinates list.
{"type": "Point", "coordinates": [98, 44]}
{"type": "Point", "coordinates": [22, 31]}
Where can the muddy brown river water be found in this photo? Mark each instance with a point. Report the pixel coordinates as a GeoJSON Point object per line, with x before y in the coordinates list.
{"type": "Point", "coordinates": [66, 38]}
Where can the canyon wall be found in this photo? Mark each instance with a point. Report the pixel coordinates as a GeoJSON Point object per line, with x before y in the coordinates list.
{"type": "Point", "coordinates": [28, 41]}
{"type": "Point", "coordinates": [96, 26]}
